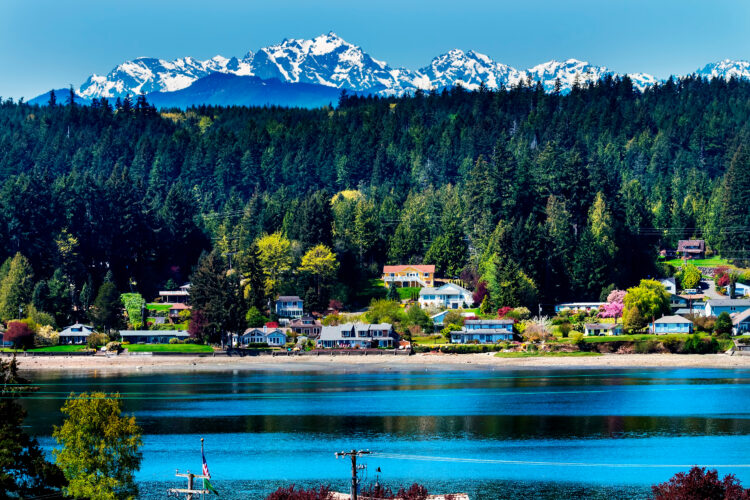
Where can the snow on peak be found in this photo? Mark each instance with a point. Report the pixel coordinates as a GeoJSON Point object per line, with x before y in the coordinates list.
{"type": "Point", "coordinates": [330, 60]}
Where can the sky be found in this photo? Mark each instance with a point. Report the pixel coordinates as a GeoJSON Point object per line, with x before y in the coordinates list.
{"type": "Point", "coordinates": [48, 44]}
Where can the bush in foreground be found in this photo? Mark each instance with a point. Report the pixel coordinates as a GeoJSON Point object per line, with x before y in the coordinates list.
{"type": "Point", "coordinates": [700, 483]}
{"type": "Point", "coordinates": [290, 493]}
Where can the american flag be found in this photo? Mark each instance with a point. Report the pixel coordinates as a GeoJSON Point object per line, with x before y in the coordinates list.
{"type": "Point", "coordinates": [205, 466]}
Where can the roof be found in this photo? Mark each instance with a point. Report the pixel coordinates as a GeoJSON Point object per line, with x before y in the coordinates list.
{"type": "Point", "coordinates": [672, 319]}
{"type": "Point", "coordinates": [155, 333]}
{"type": "Point", "coordinates": [86, 329]}
{"type": "Point", "coordinates": [171, 293]}
{"type": "Point", "coordinates": [334, 332]}
{"type": "Point", "coordinates": [446, 289]}
{"type": "Point", "coordinates": [740, 317]}
{"type": "Point", "coordinates": [682, 245]}
{"type": "Point", "coordinates": [602, 326]}
{"type": "Point", "coordinates": [179, 307]}
{"type": "Point", "coordinates": [425, 268]}
{"type": "Point", "coordinates": [488, 321]}
{"type": "Point", "coordinates": [483, 331]}
{"type": "Point", "coordinates": [670, 280]}
{"type": "Point", "coordinates": [729, 302]}
{"type": "Point", "coordinates": [263, 333]}
{"type": "Point", "coordinates": [288, 298]}
{"type": "Point", "coordinates": [579, 304]}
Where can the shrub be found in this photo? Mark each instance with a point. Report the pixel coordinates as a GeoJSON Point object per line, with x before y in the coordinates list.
{"type": "Point", "coordinates": [646, 346]}
{"type": "Point", "coordinates": [522, 312]}
{"type": "Point", "coordinates": [95, 339]}
{"type": "Point", "coordinates": [503, 311]}
{"type": "Point", "coordinates": [114, 346]}
{"type": "Point", "coordinates": [700, 483]}
{"type": "Point", "coordinates": [536, 332]}
{"type": "Point", "coordinates": [20, 333]}
{"type": "Point", "coordinates": [174, 341]}
{"type": "Point", "coordinates": [290, 493]}
{"type": "Point", "coordinates": [704, 323]}
{"type": "Point", "coordinates": [697, 345]}
{"type": "Point", "coordinates": [576, 337]}
{"type": "Point", "coordinates": [46, 336]}
{"type": "Point", "coordinates": [565, 329]}
{"type": "Point", "coordinates": [723, 323]}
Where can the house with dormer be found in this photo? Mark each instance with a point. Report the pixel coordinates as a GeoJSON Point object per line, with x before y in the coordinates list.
{"type": "Point", "coordinates": [448, 296]}
{"type": "Point", "coordinates": [412, 275]}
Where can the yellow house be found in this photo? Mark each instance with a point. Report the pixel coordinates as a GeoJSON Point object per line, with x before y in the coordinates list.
{"type": "Point", "coordinates": [409, 275]}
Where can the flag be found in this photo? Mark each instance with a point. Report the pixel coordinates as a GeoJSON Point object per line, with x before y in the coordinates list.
{"type": "Point", "coordinates": [207, 486]}
{"type": "Point", "coordinates": [206, 483]}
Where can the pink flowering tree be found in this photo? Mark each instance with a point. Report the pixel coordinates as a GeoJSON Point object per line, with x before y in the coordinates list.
{"type": "Point", "coordinates": [614, 305]}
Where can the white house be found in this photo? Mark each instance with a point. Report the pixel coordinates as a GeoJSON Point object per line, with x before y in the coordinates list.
{"type": "Point", "coordinates": [672, 324]}
{"type": "Point", "coordinates": [179, 296]}
{"type": "Point", "coordinates": [741, 290]}
{"type": "Point", "coordinates": [272, 337]}
{"type": "Point", "coordinates": [578, 306]}
{"type": "Point", "coordinates": [450, 296]}
{"type": "Point", "coordinates": [731, 306]}
{"type": "Point", "coordinates": [75, 334]}
{"type": "Point", "coordinates": [357, 335]}
{"type": "Point", "coordinates": [602, 329]}
{"type": "Point", "coordinates": [670, 284]}
{"type": "Point", "coordinates": [483, 331]}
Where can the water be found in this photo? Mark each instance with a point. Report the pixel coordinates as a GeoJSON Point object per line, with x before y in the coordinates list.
{"type": "Point", "coordinates": [569, 433]}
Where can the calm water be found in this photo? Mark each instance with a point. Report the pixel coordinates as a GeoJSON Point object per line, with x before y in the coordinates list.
{"type": "Point", "coordinates": [460, 429]}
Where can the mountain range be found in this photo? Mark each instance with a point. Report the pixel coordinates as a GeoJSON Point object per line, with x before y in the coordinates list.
{"type": "Point", "coordinates": [311, 73]}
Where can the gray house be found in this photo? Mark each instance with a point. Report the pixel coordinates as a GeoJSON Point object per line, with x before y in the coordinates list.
{"type": "Point", "coordinates": [152, 336]}
{"type": "Point", "coordinates": [596, 329]}
{"type": "Point", "coordinates": [357, 335]}
{"type": "Point", "coordinates": [75, 334]}
{"type": "Point", "coordinates": [731, 306]}
{"type": "Point", "coordinates": [483, 331]}
{"type": "Point", "coordinates": [741, 323]}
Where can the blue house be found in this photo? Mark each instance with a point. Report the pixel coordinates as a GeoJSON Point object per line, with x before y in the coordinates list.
{"type": "Point", "coordinates": [741, 323]}
{"type": "Point", "coordinates": [289, 306]}
{"type": "Point", "coordinates": [741, 290]}
{"type": "Point", "coordinates": [731, 306]}
{"type": "Point", "coordinates": [672, 324]}
{"type": "Point", "coordinates": [273, 337]}
{"type": "Point", "coordinates": [3, 342]}
{"type": "Point", "coordinates": [483, 331]}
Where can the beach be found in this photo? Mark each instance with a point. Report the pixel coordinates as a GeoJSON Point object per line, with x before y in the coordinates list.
{"type": "Point", "coordinates": [342, 363]}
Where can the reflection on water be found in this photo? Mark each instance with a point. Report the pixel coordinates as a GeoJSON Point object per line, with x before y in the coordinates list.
{"type": "Point", "coordinates": [675, 417]}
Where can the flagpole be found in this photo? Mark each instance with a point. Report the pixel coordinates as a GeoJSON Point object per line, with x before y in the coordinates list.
{"type": "Point", "coordinates": [203, 493]}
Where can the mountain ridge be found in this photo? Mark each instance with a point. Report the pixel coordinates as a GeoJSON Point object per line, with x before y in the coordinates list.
{"type": "Point", "coordinates": [329, 60]}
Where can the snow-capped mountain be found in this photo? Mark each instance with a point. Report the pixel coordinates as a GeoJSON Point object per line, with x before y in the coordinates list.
{"type": "Point", "coordinates": [725, 69]}
{"type": "Point", "coordinates": [331, 61]}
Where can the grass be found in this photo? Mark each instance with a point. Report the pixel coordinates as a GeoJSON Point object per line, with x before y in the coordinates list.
{"type": "Point", "coordinates": [408, 292]}
{"type": "Point", "coordinates": [158, 307]}
{"type": "Point", "coordinates": [168, 348]}
{"type": "Point", "coordinates": [54, 348]}
{"type": "Point", "coordinates": [373, 289]}
{"type": "Point", "coordinates": [635, 338]}
{"type": "Point", "coordinates": [540, 354]}
{"type": "Point", "coordinates": [709, 262]}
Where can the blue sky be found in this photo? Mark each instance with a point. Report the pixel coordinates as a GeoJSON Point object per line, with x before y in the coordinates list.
{"type": "Point", "coordinates": [52, 43]}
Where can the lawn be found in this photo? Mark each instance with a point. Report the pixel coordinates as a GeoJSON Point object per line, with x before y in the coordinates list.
{"type": "Point", "coordinates": [539, 354]}
{"type": "Point", "coordinates": [158, 307]}
{"type": "Point", "coordinates": [168, 348]}
{"type": "Point", "coordinates": [709, 262]}
{"type": "Point", "coordinates": [429, 340]}
{"type": "Point", "coordinates": [373, 289]}
{"type": "Point", "coordinates": [408, 292]}
{"type": "Point", "coordinates": [55, 348]}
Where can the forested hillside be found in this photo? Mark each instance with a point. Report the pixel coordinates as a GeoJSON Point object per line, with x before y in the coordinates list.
{"type": "Point", "coordinates": [544, 197]}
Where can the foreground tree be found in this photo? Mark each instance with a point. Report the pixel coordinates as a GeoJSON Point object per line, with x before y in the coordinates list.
{"type": "Point", "coordinates": [291, 493]}
{"type": "Point", "coordinates": [699, 483]}
{"type": "Point", "coordinates": [649, 300]}
{"type": "Point", "coordinates": [20, 333]}
{"type": "Point", "coordinates": [24, 470]}
{"type": "Point", "coordinates": [99, 447]}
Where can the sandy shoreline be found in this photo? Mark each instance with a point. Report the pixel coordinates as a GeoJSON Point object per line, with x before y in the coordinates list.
{"type": "Point", "coordinates": [417, 362]}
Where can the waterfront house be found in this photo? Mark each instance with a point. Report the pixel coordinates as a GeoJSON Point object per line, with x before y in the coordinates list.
{"type": "Point", "coordinates": [270, 336]}
{"type": "Point", "coordinates": [741, 323]}
{"type": "Point", "coordinates": [75, 334]}
{"type": "Point", "coordinates": [483, 331]}
{"type": "Point", "coordinates": [179, 296]}
{"type": "Point", "coordinates": [691, 249]}
{"type": "Point", "coordinates": [578, 306]}
{"type": "Point", "coordinates": [357, 335]}
{"type": "Point", "coordinates": [670, 284]}
{"type": "Point", "coordinates": [596, 329]}
{"type": "Point", "coordinates": [714, 307]}
{"type": "Point", "coordinates": [672, 324]}
{"type": "Point", "coordinates": [289, 306]}
{"type": "Point", "coordinates": [450, 296]}
{"type": "Point", "coordinates": [152, 336]}
{"type": "Point", "coordinates": [307, 326]}
{"type": "Point", "coordinates": [414, 275]}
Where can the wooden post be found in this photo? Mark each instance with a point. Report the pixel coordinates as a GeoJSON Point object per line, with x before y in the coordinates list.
{"type": "Point", "coordinates": [353, 454]}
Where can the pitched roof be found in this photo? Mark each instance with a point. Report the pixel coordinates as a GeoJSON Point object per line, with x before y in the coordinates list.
{"type": "Point", "coordinates": [425, 268]}
{"type": "Point", "coordinates": [673, 319]}
{"type": "Point", "coordinates": [446, 289]}
{"type": "Point", "coordinates": [602, 326]}
{"type": "Point", "coordinates": [740, 317]}
{"type": "Point", "coordinates": [288, 298]}
{"type": "Point", "coordinates": [179, 307]}
{"type": "Point", "coordinates": [729, 302]}
{"type": "Point", "coordinates": [683, 245]}
{"type": "Point", "coordinates": [488, 322]}
{"type": "Point", "coordinates": [153, 333]}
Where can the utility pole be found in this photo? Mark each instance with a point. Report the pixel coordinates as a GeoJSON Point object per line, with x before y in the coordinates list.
{"type": "Point", "coordinates": [189, 492]}
{"type": "Point", "coordinates": [353, 454]}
